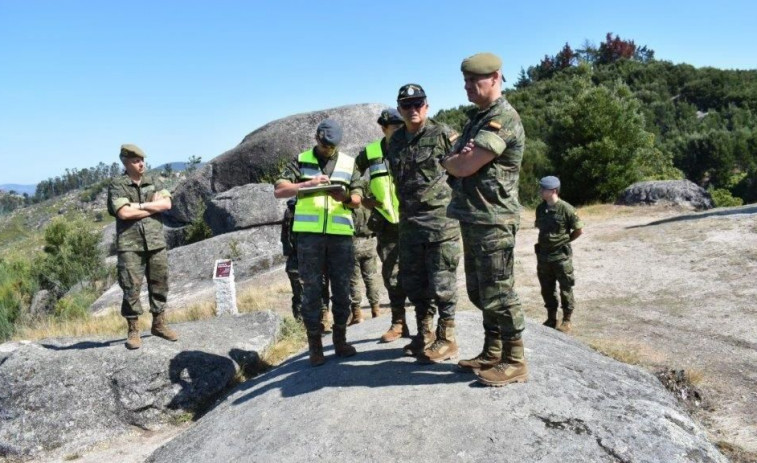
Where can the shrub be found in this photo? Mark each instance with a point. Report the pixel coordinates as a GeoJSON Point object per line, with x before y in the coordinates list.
{"type": "Point", "coordinates": [723, 198]}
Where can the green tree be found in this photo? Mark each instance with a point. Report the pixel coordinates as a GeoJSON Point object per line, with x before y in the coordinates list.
{"type": "Point", "coordinates": [71, 255]}
{"type": "Point", "coordinates": [194, 161]}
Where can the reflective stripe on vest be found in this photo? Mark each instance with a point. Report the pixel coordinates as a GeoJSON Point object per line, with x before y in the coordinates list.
{"type": "Point", "coordinates": [382, 185]}
{"type": "Point", "coordinates": [319, 213]}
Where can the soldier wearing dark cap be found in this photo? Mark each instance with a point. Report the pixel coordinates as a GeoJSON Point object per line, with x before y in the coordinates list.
{"type": "Point", "coordinates": [558, 226]}
{"type": "Point", "coordinates": [137, 201]}
{"type": "Point", "coordinates": [484, 168]}
{"type": "Point", "coordinates": [385, 205]}
{"type": "Point", "coordinates": [324, 228]}
{"type": "Point", "coordinates": [429, 242]}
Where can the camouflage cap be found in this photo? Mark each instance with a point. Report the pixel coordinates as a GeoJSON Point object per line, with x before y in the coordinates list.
{"type": "Point", "coordinates": [481, 63]}
{"type": "Point", "coordinates": [131, 151]}
{"type": "Point", "coordinates": [549, 183]}
{"type": "Point", "coordinates": [329, 132]}
{"type": "Point", "coordinates": [390, 116]}
{"type": "Point", "coordinates": [410, 92]}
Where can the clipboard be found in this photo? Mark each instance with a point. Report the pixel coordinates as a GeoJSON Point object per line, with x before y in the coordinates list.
{"type": "Point", "coordinates": [325, 188]}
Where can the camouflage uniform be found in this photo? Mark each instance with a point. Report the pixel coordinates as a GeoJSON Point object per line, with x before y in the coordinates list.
{"type": "Point", "coordinates": [486, 204]}
{"type": "Point", "coordinates": [429, 242]}
{"type": "Point", "coordinates": [289, 249]}
{"type": "Point", "coordinates": [364, 242]}
{"type": "Point", "coordinates": [387, 236]}
{"type": "Point", "coordinates": [554, 261]}
{"type": "Point", "coordinates": [140, 244]}
{"type": "Point", "coordinates": [323, 254]}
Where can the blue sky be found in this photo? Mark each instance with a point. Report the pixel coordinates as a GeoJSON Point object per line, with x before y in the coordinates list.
{"type": "Point", "coordinates": [192, 78]}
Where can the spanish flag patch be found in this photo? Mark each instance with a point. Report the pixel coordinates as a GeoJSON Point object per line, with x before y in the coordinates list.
{"type": "Point", "coordinates": [495, 125]}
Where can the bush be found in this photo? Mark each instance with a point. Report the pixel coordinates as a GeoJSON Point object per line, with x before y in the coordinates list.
{"type": "Point", "coordinates": [723, 198]}
{"type": "Point", "coordinates": [198, 230]}
{"type": "Point", "coordinates": [17, 285]}
{"type": "Point", "coordinates": [75, 306]}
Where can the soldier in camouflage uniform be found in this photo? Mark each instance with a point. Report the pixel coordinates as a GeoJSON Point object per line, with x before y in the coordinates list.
{"type": "Point", "coordinates": [289, 249]}
{"type": "Point", "coordinates": [364, 244]}
{"type": "Point", "coordinates": [323, 224]}
{"type": "Point", "coordinates": [429, 241]}
{"type": "Point", "coordinates": [387, 231]}
{"type": "Point", "coordinates": [558, 226]}
{"type": "Point", "coordinates": [137, 201]}
{"type": "Point", "coordinates": [484, 168]}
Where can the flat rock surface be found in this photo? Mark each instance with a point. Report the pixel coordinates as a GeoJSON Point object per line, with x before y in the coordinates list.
{"type": "Point", "coordinates": [380, 406]}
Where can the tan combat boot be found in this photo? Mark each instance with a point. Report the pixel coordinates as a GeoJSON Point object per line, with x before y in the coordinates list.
{"type": "Point", "coordinates": [341, 347]}
{"type": "Point", "coordinates": [444, 347]}
{"type": "Point", "coordinates": [356, 316]}
{"type": "Point", "coordinates": [315, 346]}
{"type": "Point", "coordinates": [161, 329]}
{"type": "Point", "coordinates": [565, 326]}
{"type": "Point", "coordinates": [512, 368]}
{"type": "Point", "coordinates": [325, 321]}
{"type": "Point", "coordinates": [375, 311]}
{"type": "Point", "coordinates": [551, 321]}
{"type": "Point", "coordinates": [399, 327]}
{"type": "Point", "coordinates": [423, 339]}
{"type": "Point", "coordinates": [489, 356]}
{"type": "Point", "coordinates": [133, 341]}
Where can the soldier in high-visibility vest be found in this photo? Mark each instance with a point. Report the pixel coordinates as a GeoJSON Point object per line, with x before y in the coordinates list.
{"type": "Point", "coordinates": [383, 201]}
{"type": "Point", "coordinates": [324, 228]}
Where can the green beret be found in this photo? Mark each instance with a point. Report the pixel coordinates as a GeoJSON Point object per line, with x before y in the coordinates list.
{"type": "Point", "coordinates": [131, 151]}
{"type": "Point", "coordinates": [481, 63]}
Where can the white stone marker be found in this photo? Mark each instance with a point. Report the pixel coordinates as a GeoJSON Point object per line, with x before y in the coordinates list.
{"type": "Point", "coordinates": [226, 290]}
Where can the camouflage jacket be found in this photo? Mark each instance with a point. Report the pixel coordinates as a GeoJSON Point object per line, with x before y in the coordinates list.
{"type": "Point", "coordinates": [414, 160]}
{"type": "Point", "coordinates": [555, 224]}
{"type": "Point", "coordinates": [490, 196]}
{"type": "Point", "coordinates": [142, 234]}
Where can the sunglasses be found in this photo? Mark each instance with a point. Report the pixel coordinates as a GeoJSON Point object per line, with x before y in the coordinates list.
{"type": "Point", "coordinates": [417, 104]}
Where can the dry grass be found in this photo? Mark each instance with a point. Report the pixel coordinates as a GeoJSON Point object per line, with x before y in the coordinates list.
{"type": "Point", "coordinates": [292, 338]}
{"type": "Point", "coordinates": [630, 352]}
{"type": "Point", "coordinates": [266, 298]}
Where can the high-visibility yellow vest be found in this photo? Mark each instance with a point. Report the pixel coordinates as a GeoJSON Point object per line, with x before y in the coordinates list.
{"type": "Point", "coordinates": [382, 185]}
{"type": "Point", "coordinates": [319, 212]}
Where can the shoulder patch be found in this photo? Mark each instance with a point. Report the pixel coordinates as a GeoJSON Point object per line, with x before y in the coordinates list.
{"type": "Point", "coordinates": [495, 125]}
{"type": "Point", "coordinates": [453, 136]}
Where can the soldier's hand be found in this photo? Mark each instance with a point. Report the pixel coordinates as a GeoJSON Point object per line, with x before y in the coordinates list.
{"type": "Point", "coordinates": [339, 195]}
{"type": "Point", "coordinates": [468, 147]}
{"type": "Point", "coordinates": [318, 180]}
{"type": "Point", "coordinates": [370, 203]}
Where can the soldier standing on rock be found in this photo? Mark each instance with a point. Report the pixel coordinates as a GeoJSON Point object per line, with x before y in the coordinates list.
{"type": "Point", "coordinates": [429, 241]}
{"type": "Point", "coordinates": [137, 201]}
{"type": "Point", "coordinates": [364, 244]}
{"type": "Point", "coordinates": [324, 228]}
{"type": "Point", "coordinates": [383, 200]}
{"type": "Point", "coordinates": [558, 226]}
{"type": "Point", "coordinates": [484, 168]}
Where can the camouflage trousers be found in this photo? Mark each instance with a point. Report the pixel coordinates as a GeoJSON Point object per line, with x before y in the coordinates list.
{"type": "Point", "coordinates": [293, 273]}
{"type": "Point", "coordinates": [332, 256]}
{"type": "Point", "coordinates": [365, 270]}
{"type": "Point", "coordinates": [132, 267]}
{"type": "Point", "coordinates": [489, 277]}
{"type": "Point", "coordinates": [551, 273]}
{"type": "Point", "coordinates": [389, 253]}
{"type": "Point", "coordinates": [428, 276]}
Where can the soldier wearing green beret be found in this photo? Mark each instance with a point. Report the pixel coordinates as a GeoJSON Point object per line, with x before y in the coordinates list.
{"type": "Point", "coordinates": [558, 226]}
{"type": "Point", "coordinates": [484, 168]}
{"type": "Point", "coordinates": [137, 201]}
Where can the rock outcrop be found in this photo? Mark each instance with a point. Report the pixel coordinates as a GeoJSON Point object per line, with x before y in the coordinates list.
{"type": "Point", "coordinates": [261, 155]}
{"type": "Point", "coordinates": [682, 193]}
{"type": "Point", "coordinates": [60, 396]}
{"type": "Point", "coordinates": [243, 207]}
{"type": "Point", "coordinates": [190, 267]}
{"type": "Point", "coordinates": [380, 406]}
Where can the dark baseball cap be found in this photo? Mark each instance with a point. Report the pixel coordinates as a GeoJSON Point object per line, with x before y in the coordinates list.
{"type": "Point", "coordinates": [411, 92]}
{"type": "Point", "coordinates": [329, 132]}
{"type": "Point", "coordinates": [549, 183]}
{"type": "Point", "coordinates": [390, 116]}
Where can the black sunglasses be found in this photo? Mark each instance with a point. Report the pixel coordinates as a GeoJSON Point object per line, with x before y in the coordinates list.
{"type": "Point", "coordinates": [417, 104]}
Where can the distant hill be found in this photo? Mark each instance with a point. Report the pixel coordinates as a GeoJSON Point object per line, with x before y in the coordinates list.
{"type": "Point", "coordinates": [20, 189]}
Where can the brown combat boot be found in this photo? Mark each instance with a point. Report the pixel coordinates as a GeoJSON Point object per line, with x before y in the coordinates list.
{"type": "Point", "coordinates": [489, 356]}
{"type": "Point", "coordinates": [315, 346]}
{"type": "Point", "coordinates": [551, 321]}
{"type": "Point", "coordinates": [341, 347]}
{"type": "Point", "coordinates": [356, 316]}
{"type": "Point", "coordinates": [399, 327]}
{"type": "Point", "coordinates": [512, 368]}
{"type": "Point", "coordinates": [133, 341]}
{"type": "Point", "coordinates": [161, 329]}
{"type": "Point", "coordinates": [565, 326]}
{"type": "Point", "coordinates": [423, 339]}
{"type": "Point", "coordinates": [444, 347]}
{"type": "Point", "coordinates": [325, 321]}
{"type": "Point", "coordinates": [375, 311]}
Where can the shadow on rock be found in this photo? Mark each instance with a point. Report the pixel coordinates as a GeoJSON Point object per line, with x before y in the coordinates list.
{"type": "Point", "coordinates": [199, 374]}
{"type": "Point", "coordinates": [84, 345]}
{"type": "Point", "coordinates": [679, 218]}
